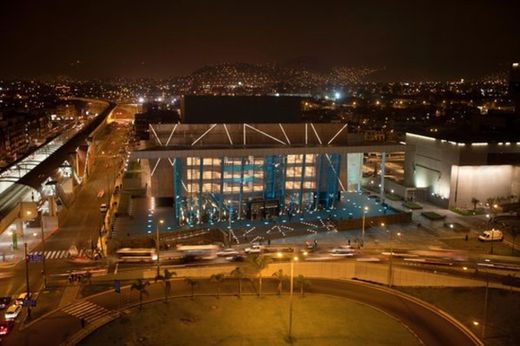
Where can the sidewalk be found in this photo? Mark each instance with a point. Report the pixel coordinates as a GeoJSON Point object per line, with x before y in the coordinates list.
{"type": "Point", "coordinates": [9, 257]}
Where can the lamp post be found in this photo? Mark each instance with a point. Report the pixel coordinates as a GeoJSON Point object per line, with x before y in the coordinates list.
{"type": "Point", "coordinates": [365, 210]}
{"type": "Point", "coordinates": [291, 297]}
{"type": "Point", "coordinates": [391, 259]}
{"type": "Point", "coordinates": [44, 271]}
{"type": "Point", "coordinates": [157, 245]}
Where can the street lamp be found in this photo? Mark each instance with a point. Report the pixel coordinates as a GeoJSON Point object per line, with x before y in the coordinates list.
{"type": "Point", "coordinates": [365, 210]}
{"type": "Point", "coordinates": [157, 245]}
{"type": "Point", "coordinates": [44, 271]}
{"type": "Point", "coordinates": [294, 259]}
{"type": "Point", "coordinates": [390, 261]}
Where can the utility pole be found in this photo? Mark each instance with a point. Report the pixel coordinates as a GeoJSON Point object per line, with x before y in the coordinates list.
{"type": "Point", "coordinates": [44, 271]}
{"type": "Point", "coordinates": [27, 281]}
{"type": "Point", "coordinates": [486, 297]}
{"type": "Point", "coordinates": [157, 241]}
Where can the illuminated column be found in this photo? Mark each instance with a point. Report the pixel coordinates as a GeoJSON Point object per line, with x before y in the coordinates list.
{"type": "Point", "coordinates": [201, 172]}
{"type": "Point", "coordinates": [19, 226]}
{"type": "Point", "coordinates": [302, 181]}
{"type": "Point", "coordinates": [241, 196]}
{"type": "Point", "coordinates": [177, 188]}
{"type": "Point", "coordinates": [221, 197]}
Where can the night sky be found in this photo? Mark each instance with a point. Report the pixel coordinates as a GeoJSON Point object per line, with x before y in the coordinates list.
{"type": "Point", "coordinates": [150, 38]}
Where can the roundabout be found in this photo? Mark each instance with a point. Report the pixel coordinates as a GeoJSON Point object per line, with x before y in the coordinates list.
{"type": "Point", "coordinates": [318, 320]}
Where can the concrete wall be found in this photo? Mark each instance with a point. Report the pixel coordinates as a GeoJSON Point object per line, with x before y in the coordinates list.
{"type": "Point", "coordinates": [481, 182]}
{"type": "Point", "coordinates": [341, 270]}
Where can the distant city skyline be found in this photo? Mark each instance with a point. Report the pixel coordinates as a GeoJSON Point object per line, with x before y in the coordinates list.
{"type": "Point", "coordinates": [407, 40]}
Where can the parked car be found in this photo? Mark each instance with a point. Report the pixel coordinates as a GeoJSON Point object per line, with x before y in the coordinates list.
{"type": "Point", "coordinates": [4, 302]}
{"type": "Point", "coordinates": [6, 327]}
{"type": "Point", "coordinates": [491, 235]}
{"type": "Point", "coordinates": [255, 249]}
{"type": "Point", "coordinates": [103, 208]}
{"type": "Point", "coordinates": [21, 297]}
{"type": "Point", "coordinates": [13, 311]}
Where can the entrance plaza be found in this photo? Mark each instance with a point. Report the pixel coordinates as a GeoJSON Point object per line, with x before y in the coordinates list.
{"type": "Point", "coordinates": [257, 180]}
{"type": "Point", "coordinates": [350, 206]}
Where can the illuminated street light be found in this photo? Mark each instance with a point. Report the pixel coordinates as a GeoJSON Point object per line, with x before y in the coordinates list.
{"type": "Point", "coordinates": [294, 259]}
{"type": "Point", "coordinates": [158, 246]}
{"type": "Point", "coordinates": [365, 210]}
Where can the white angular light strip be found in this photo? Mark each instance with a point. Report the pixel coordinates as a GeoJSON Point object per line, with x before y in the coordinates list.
{"type": "Point", "coordinates": [205, 133]}
{"type": "Point", "coordinates": [265, 134]}
{"type": "Point", "coordinates": [285, 134]}
{"type": "Point", "coordinates": [228, 135]}
{"type": "Point", "coordinates": [155, 134]}
{"type": "Point", "coordinates": [337, 133]}
{"type": "Point", "coordinates": [171, 135]}
{"type": "Point", "coordinates": [316, 133]}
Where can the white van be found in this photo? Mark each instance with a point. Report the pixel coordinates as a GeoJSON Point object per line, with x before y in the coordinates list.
{"type": "Point", "coordinates": [492, 235]}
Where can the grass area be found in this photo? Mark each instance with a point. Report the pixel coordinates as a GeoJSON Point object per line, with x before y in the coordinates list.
{"type": "Point", "coordinates": [47, 301]}
{"type": "Point", "coordinates": [474, 245]}
{"type": "Point", "coordinates": [430, 215]}
{"type": "Point", "coordinates": [318, 320]}
{"type": "Point", "coordinates": [468, 212]}
{"type": "Point", "coordinates": [412, 205]}
{"type": "Point", "coordinates": [467, 305]}
{"type": "Point", "coordinates": [393, 197]}
{"type": "Point", "coordinates": [88, 290]}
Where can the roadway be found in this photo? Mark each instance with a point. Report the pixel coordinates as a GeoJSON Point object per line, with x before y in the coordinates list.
{"type": "Point", "coordinates": [80, 223]}
{"type": "Point", "coordinates": [428, 325]}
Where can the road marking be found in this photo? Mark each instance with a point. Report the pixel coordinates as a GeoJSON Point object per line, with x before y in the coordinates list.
{"type": "Point", "coordinates": [86, 310]}
{"type": "Point", "coordinates": [49, 254]}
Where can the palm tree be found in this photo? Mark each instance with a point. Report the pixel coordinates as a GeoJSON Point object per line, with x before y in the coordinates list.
{"type": "Point", "coordinates": [280, 277]}
{"type": "Point", "coordinates": [192, 283]}
{"type": "Point", "coordinates": [474, 201]}
{"type": "Point", "coordinates": [239, 274]}
{"type": "Point", "coordinates": [166, 279]}
{"type": "Point", "coordinates": [218, 278]}
{"type": "Point", "coordinates": [260, 263]}
{"type": "Point", "coordinates": [303, 282]}
{"type": "Point", "coordinates": [140, 285]}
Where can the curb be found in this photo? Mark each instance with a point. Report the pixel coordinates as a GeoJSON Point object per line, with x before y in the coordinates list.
{"type": "Point", "coordinates": [428, 306]}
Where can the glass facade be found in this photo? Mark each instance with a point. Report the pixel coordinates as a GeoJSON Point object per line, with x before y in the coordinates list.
{"type": "Point", "coordinates": [212, 189]}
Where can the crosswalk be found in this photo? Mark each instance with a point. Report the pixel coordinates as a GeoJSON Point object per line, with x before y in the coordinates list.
{"type": "Point", "coordinates": [87, 310]}
{"type": "Point", "coordinates": [57, 254]}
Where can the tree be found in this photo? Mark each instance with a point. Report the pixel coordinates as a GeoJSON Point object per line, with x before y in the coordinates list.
{"type": "Point", "coordinates": [166, 280]}
{"type": "Point", "coordinates": [280, 277]}
{"type": "Point", "coordinates": [218, 278]}
{"type": "Point", "coordinates": [140, 286]}
{"type": "Point", "coordinates": [192, 283]}
{"type": "Point", "coordinates": [260, 263]}
{"type": "Point", "coordinates": [239, 274]}
{"type": "Point", "coordinates": [474, 201]}
{"type": "Point", "coordinates": [302, 282]}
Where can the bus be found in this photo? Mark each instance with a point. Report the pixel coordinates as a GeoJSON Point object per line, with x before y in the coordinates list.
{"type": "Point", "coordinates": [137, 255]}
{"type": "Point", "coordinates": [198, 252]}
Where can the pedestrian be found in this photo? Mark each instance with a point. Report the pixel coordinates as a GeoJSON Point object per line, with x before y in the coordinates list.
{"type": "Point", "coordinates": [348, 242]}
{"type": "Point", "coordinates": [466, 237]}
